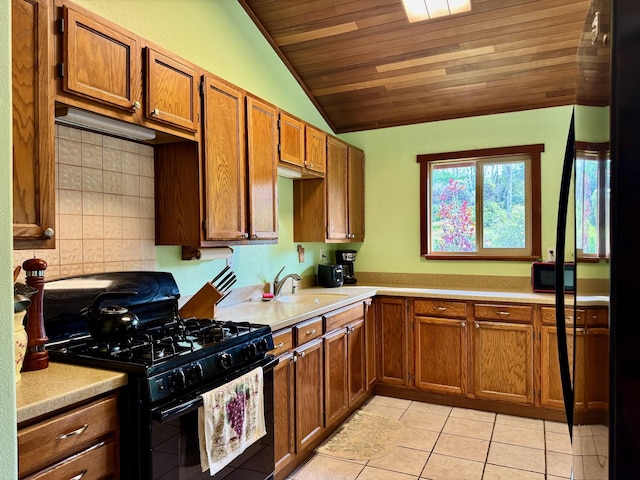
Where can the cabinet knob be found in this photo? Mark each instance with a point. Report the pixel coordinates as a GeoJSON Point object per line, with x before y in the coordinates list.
{"type": "Point", "coordinates": [477, 326]}
{"type": "Point", "coordinates": [136, 105]}
{"type": "Point", "coordinates": [49, 232]}
{"type": "Point", "coordinates": [463, 324]}
{"type": "Point", "coordinates": [155, 112]}
{"type": "Point", "coordinates": [300, 354]}
{"type": "Point", "coordinates": [245, 235]}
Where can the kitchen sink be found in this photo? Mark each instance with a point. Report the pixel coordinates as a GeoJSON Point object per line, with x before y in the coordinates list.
{"type": "Point", "coordinates": [311, 298]}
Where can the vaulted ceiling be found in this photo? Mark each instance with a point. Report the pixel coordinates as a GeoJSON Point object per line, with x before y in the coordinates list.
{"type": "Point", "coordinates": [364, 66]}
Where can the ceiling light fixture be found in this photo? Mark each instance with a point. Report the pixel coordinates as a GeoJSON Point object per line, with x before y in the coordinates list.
{"type": "Point", "coordinates": [91, 121]}
{"type": "Point", "coordinates": [419, 10]}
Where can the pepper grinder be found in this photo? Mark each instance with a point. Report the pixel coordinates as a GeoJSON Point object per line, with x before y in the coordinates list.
{"type": "Point", "coordinates": [36, 357]}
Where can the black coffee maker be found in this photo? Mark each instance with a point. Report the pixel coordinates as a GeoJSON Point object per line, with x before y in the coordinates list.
{"type": "Point", "coordinates": [346, 259]}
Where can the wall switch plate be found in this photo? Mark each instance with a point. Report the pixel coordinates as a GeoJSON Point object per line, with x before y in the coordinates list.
{"type": "Point", "coordinates": [551, 254]}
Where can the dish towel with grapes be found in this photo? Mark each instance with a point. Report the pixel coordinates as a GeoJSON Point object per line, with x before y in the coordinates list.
{"type": "Point", "coordinates": [230, 420]}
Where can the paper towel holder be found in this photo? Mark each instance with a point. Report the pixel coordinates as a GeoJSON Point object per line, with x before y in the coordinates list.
{"type": "Point", "coordinates": [214, 253]}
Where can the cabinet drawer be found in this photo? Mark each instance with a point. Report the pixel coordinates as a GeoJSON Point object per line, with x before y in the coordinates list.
{"type": "Point", "coordinates": [339, 318]}
{"type": "Point", "coordinates": [504, 313]}
{"type": "Point", "coordinates": [308, 330]}
{"type": "Point", "coordinates": [282, 341]}
{"type": "Point", "coordinates": [94, 463]}
{"type": "Point", "coordinates": [50, 440]}
{"type": "Point", "coordinates": [440, 308]}
{"type": "Point", "coordinates": [548, 315]}
{"type": "Point", "coordinates": [597, 317]}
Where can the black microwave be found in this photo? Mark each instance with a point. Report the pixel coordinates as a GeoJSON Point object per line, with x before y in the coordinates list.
{"type": "Point", "coordinates": [543, 277]}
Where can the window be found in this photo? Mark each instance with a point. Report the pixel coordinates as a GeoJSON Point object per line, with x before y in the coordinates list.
{"type": "Point", "coordinates": [593, 167]}
{"type": "Point", "coordinates": [481, 204]}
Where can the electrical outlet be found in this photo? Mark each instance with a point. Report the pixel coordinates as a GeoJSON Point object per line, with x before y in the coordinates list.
{"type": "Point", "coordinates": [321, 252]}
{"type": "Point", "coordinates": [551, 254]}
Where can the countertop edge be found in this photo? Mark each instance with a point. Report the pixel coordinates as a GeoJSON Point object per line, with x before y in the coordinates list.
{"type": "Point", "coordinates": [61, 385]}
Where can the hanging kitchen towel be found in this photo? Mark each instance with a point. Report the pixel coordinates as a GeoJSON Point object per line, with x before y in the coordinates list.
{"type": "Point", "coordinates": [230, 420]}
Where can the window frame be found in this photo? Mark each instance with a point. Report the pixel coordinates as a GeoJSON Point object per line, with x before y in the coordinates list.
{"type": "Point", "coordinates": [533, 151]}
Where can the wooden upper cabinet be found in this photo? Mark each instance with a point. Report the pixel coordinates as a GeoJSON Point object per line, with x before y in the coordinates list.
{"type": "Point", "coordinates": [336, 185]}
{"type": "Point", "coordinates": [100, 61]}
{"type": "Point", "coordinates": [224, 173]}
{"type": "Point", "coordinates": [101, 70]}
{"type": "Point", "coordinates": [262, 160]}
{"type": "Point", "coordinates": [355, 189]}
{"type": "Point", "coordinates": [171, 91]}
{"type": "Point", "coordinates": [33, 129]}
{"type": "Point", "coordinates": [292, 145]}
{"type": "Point", "coordinates": [316, 150]}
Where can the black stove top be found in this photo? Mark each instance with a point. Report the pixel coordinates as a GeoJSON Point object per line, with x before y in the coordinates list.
{"type": "Point", "coordinates": [168, 353]}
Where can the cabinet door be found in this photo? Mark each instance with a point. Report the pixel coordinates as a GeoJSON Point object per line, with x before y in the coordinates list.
{"type": "Point", "coordinates": [316, 150]}
{"type": "Point", "coordinates": [371, 344]}
{"type": "Point", "coordinates": [392, 326]}
{"type": "Point", "coordinates": [503, 362]}
{"type": "Point", "coordinates": [336, 185]}
{"type": "Point", "coordinates": [224, 177]}
{"type": "Point", "coordinates": [101, 61]}
{"type": "Point", "coordinates": [309, 393]}
{"type": "Point", "coordinates": [441, 355]}
{"type": "Point", "coordinates": [335, 371]}
{"type": "Point", "coordinates": [355, 189]}
{"type": "Point", "coordinates": [291, 140]}
{"type": "Point", "coordinates": [171, 89]}
{"type": "Point", "coordinates": [33, 129]}
{"type": "Point", "coordinates": [597, 366]}
{"type": "Point", "coordinates": [356, 360]}
{"type": "Point", "coordinates": [551, 386]}
{"type": "Point", "coordinates": [284, 411]}
{"type": "Point", "coordinates": [262, 141]}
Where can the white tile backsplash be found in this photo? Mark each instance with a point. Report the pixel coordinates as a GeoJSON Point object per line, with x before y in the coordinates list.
{"type": "Point", "coordinates": [104, 206]}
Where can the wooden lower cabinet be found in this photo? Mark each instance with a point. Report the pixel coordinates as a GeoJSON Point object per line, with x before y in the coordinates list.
{"type": "Point", "coordinates": [83, 439]}
{"type": "Point", "coordinates": [597, 369]}
{"type": "Point", "coordinates": [309, 392]}
{"type": "Point", "coordinates": [440, 355]}
{"type": "Point", "coordinates": [393, 327]}
{"type": "Point", "coordinates": [284, 411]}
{"type": "Point", "coordinates": [551, 385]}
{"type": "Point", "coordinates": [503, 362]}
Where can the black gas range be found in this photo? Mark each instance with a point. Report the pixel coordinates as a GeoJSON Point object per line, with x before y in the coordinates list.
{"type": "Point", "coordinates": [170, 361]}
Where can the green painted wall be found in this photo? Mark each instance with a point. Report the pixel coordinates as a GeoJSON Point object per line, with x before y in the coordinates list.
{"type": "Point", "coordinates": [8, 445]}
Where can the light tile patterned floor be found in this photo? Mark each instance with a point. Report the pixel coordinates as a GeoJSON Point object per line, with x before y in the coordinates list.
{"type": "Point", "coordinates": [449, 443]}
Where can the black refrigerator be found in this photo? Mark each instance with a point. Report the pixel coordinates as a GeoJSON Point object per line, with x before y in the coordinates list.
{"type": "Point", "coordinates": [613, 449]}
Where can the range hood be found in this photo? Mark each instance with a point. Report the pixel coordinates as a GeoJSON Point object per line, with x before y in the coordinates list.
{"type": "Point", "coordinates": [97, 123]}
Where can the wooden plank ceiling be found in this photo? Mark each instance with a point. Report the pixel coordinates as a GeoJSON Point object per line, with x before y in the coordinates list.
{"type": "Point", "coordinates": [364, 66]}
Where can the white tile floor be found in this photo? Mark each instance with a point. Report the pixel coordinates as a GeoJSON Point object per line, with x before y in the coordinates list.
{"type": "Point", "coordinates": [449, 443]}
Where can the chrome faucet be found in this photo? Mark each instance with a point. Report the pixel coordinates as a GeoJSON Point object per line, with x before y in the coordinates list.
{"type": "Point", "coordinates": [278, 284]}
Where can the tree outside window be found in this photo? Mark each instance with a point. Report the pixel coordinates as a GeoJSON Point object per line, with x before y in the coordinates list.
{"type": "Point", "coordinates": [481, 204]}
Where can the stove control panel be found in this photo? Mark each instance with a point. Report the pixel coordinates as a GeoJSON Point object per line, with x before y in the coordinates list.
{"type": "Point", "coordinates": [213, 365]}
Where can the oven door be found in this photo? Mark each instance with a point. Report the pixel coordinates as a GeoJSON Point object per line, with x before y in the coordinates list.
{"type": "Point", "coordinates": [175, 452]}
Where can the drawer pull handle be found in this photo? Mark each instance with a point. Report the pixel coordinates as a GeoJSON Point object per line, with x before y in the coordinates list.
{"type": "Point", "coordinates": [280, 345]}
{"type": "Point", "coordinates": [569, 318]}
{"type": "Point", "coordinates": [78, 476]}
{"type": "Point", "coordinates": [504, 314]}
{"type": "Point", "coordinates": [441, 309]}
{"type": "Point", "coordinates": [311, 332]}
{"type": "Point", "coordinates": [74, 432]}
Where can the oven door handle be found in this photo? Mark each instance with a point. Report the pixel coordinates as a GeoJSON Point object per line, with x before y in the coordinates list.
{"type": "Point", "coordinates": [168, 413]}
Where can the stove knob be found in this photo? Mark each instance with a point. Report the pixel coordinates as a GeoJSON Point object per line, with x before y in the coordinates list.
{"type": "Point", "coordinates": [263, 345]}
{"type": "Point", "coordinates": [251, 351]}
{"type": "Point", "coordinates": [177, 381]}
{"type": "Point", "coordinates": [195, 373]}
{"type": "Point", "coordinates": [225, 360]}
